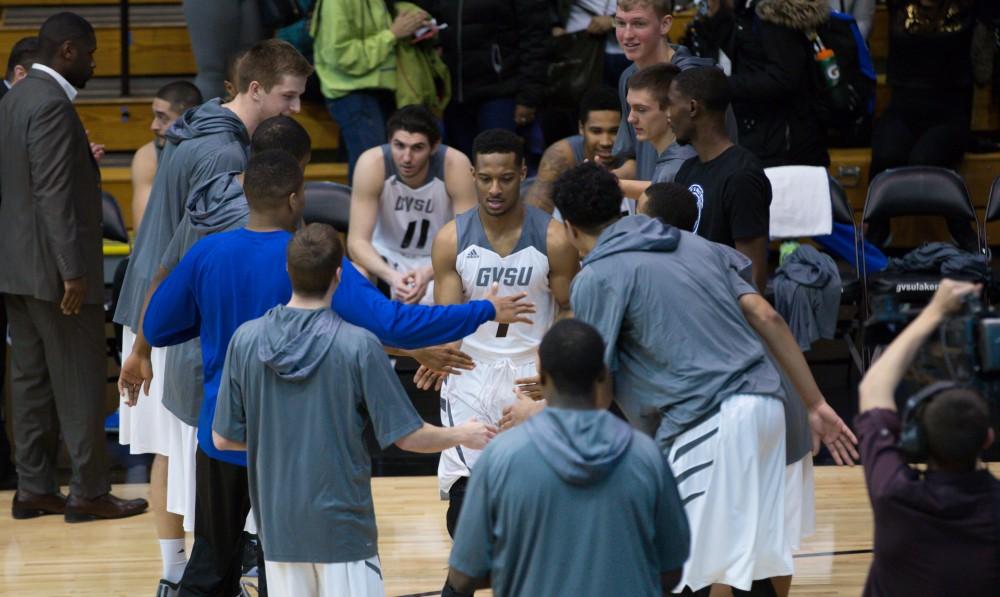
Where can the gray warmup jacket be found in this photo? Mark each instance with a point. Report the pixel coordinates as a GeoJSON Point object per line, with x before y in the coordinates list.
{"type": "Point", "coordinates": [807, 292]}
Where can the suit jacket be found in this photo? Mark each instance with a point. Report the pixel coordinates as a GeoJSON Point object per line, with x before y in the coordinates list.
{"type": "Point", "coordinates": [50, 214]}
{"type": "Point", "coordinates": [3, 90]}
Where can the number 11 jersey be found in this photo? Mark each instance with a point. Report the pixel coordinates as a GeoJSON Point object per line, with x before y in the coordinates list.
{"type": "Point", "coordinates": [409, 218]}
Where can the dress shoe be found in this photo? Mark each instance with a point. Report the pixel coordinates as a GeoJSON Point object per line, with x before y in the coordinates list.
{"type": "Point", "coordinates": [30, 505]}
{"type": "Point", "coordinates": [79, 509]}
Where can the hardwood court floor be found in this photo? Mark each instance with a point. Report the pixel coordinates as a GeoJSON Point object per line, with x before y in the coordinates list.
{"type": "Point", "coordinates": [47, 557]}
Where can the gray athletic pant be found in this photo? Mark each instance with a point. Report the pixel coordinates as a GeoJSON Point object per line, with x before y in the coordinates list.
{"type": "Point", "coordinates": [219, 29]}
{"type": "Point", "coordinates": [58, 373]}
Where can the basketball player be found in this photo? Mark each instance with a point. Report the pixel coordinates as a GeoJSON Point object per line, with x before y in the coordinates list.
{"type": "Point", "coordinates": [211, 139]}
{"type": "Point", "coordinates": [172, 100]}
{"type": "Point", "coordinates": [404, 192]}
{"type": "Point", "coordinates": [599, 118]}
{"type": "Point", "coordinates": [525, 250]}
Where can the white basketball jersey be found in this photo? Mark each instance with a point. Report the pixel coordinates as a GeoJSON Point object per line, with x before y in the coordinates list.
{"type": "Point", "coordinates": [409, 218]}
{"type": "Point", "coordinates": [526, 269]}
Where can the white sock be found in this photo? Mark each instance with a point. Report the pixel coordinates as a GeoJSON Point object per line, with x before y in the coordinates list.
{"type": "Point", "coordinates": [174, 555]}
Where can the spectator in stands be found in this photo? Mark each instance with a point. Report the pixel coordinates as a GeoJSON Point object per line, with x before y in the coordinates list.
{"type": "Point", "coordinates": [598, 124]}
{"type": "Point", "coordinates": [172, 100]}
{"type": "Point", "coordinates": [863, 12]}
{"type": "Point", "coordinates": [355, 56]}
{"type": "Point", "coordinates": [641, 27]}
{"type": "Point", "coordinates": [647, 102]}
{"type": "Point", "coordinates": [929, 71]}
{"type": "Point", "coordinates": [733, 193]}
{"type": "Point", "coordinates": [773, 80]}
{"type": "Point", "coordinates": [498, 54]}
{"type": "Point", "coordinates": [22, 56]}
{"type": "Point", "coordinates": [936, 532]}
{"type": "Point", "coordinates": [50, 218]}
{"type": "Point", "coordinates": [597, 18]}
{"type": "Point", "coordinates": [673, 203]}
{"type": "Point", "coordinates": [219, 29]}
{"type": "Point", "coordinates": [521, 529]}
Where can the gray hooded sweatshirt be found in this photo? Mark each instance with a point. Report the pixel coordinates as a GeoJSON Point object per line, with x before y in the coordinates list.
{"type": "Point", "coordinates": [667, 304]}
{"type": "Point", "coordinates": [216, 205]}
{"type": "Point", "coordinates": [299, 387]}
{"type": "Point", "coordinates": [571, 478]}
{"type": "Point", "coordinates": [203, 142]}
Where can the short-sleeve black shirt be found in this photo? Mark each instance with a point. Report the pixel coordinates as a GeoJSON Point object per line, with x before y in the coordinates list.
{"type": "Point", "coordinates": [733, 193]}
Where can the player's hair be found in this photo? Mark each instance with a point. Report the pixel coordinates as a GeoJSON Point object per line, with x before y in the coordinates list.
{"type": "Point", "coordinates": [572, 356]}
{"type": "Point", "coordinates": [656, 80]}
{"type": "Point", "coordinates": [23, 54]}
{"type": "Point", "coordinates": [313, 256]}
{"type": "Point", "coordinates": [282, 132]}
{"type": "Point", "coordinates": [271, 176]}
{"type": "Point", "coordinates": [599, 99]}
{"type": "Point", "coordinates": [268, 62]}
{"type": "Point", "coordinates": [417, 119]}
{"type": "Point", "coordinates": [957, 422]}
{"type": "Point", "coordinates": [60, 28]}
{"type": "Point", "coordinates": [706, 85]}
{"type": "Point", "coordinates": [498, 141]}
{"type": "Point", "coordinates": [588, 196]}
{"type": "Point", "coordinates": [673, 204]}
{"type": "Point", "coordinates": [661, 7]}
{"type": "Point", "coordinates": [181, 95]}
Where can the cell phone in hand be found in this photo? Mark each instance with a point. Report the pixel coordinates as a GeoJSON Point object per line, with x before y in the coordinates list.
{"type": "Point", "coordinates": [428, 31]}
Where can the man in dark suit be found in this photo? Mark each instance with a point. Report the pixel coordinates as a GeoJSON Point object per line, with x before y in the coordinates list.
{"type": "Point", "coordinates": [22, 56]}
{"type": "Point", "coordinates": [53, 281]}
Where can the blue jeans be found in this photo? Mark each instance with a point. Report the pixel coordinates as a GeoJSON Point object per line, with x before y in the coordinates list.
{"type": "Point", "coordinates": [462, 122]}
{"type": "Point", "coordinates": [361, 116]}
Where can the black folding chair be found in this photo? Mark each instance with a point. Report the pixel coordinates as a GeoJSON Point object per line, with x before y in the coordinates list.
{"type": "Point", "coordinates": [328, 203]}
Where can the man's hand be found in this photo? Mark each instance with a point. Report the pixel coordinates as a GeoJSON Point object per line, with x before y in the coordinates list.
{"type": "Point", "coordinates": [523, 115]}
{"type": "Point", "coordinates": [73, 292]}
{"type": "Point", "coordinates": [829, 428]}
{"type": "Point", "coordinates": [509, 309]}
{"type": "Point", "coordinates": [522, 410]}
{"type": "Point", "coordinates": [950, 295]}
{"type": "Point", "coordinates": [446, 358]}
{"type": "Point", "coordinates": [427, 379]}
{"type": "Point", "coordinates": [600, 25]}
{"type": "Point", "coordinates": [475, 434]}
{"type": "Point", "coordinates": [137, 372]}
{"type": "Point", "coordinates": [418, 280]}
{"type": "Point", "coordinates": [402, 286]}
{"type": "Point", "coordinates": [529, 386]}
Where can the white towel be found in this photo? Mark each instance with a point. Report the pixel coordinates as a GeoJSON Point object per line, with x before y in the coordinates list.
{"type": "Point", "coordinates": [800, 201]}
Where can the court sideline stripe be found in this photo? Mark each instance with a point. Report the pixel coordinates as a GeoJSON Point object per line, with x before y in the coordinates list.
{"type": "Point", "coordinates": [846, 552]}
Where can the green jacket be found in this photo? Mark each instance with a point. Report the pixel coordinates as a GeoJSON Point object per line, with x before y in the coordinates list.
{"type": "Point", "coordinates": [421, 76]}
{"type": "Point", "coordinates": [354, 48]}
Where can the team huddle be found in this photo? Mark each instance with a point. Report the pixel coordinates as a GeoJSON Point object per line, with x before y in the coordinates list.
{"type": "Point", "coordinates": [256, 393]}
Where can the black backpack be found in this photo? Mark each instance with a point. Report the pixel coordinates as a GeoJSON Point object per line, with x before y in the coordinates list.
{"type": "Point", "coordinates": [846, 109]}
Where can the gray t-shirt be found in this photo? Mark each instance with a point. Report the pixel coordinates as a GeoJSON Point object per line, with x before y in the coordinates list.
{"type": "Point", "coordinates": [677, 341]}
{"type": "Point", "coordinates": [666, 165]}
{"type": "Point", "coordinates": [299, 387]}
{"type": "Point", "coordinates": [534, 533]}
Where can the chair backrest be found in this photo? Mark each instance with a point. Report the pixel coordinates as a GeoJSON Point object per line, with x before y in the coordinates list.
{"type": "Point", "coordinates": [919, 191]}
{"type": "Point", "coordinates": [328, 203]}
{"type": "Point", "coordinates": [112, 222]}
{"type": "Point", "coordinates": [842, 211]}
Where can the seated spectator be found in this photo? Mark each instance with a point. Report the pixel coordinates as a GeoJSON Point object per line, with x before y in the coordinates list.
{"type": "Point", "coordinates": [929, 71]}
{"type": "Point", "coordinates": [647, 102]}
{"type": "Point", "coordinates": [773, 80]}
{"type": "Point", "coordinates": [498, 54]}
{"type": "Point", "coordinates": [172, 100]}
{"type": "Point", "coordinates": [728, 181]}
{"type": "Point", "coordinates": [598, 125]}
{"type": "Point", "coordinates": [672, 203]}
{"type": "Point", "coordinates": [355, 58]}
{"type": "Point", "coordinates": [572, 462]}
{"type": "Point", "coordinates": [937, 531]}
{"type": "Point", "coordinates": [597, 18]}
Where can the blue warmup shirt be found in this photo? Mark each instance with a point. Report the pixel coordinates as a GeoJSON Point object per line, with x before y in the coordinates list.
{"type": "Point", "coordinates": [229, 278]}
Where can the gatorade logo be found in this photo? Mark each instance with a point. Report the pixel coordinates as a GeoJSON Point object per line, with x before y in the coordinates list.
{"type": "Point", "coordinates": [833, 72]}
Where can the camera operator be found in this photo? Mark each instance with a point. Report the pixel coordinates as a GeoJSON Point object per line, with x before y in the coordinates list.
{"type": "Point", "coordinates": [936, 532]}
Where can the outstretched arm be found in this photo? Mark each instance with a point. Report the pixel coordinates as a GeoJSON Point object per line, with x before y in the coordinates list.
{"type": "Point", "coordinates": [557, 159]}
